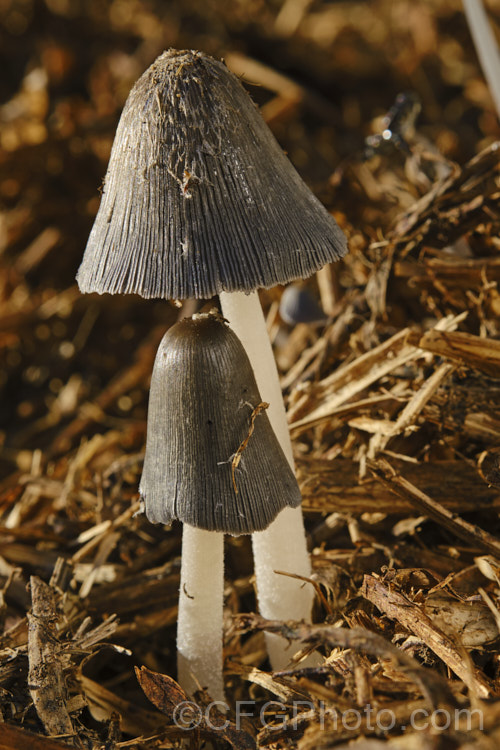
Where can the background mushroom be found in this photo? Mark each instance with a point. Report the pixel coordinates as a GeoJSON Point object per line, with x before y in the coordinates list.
{"type": "Point", "coordinates": [213, 462]}
{"type": "Point", "coordinates": [298, 305]}
{"type": "Point", "coordinates": [199, 199]}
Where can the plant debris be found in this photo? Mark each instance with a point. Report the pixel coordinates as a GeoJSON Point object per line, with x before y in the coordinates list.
{"type": "Point", "coordinates": [393, 396]}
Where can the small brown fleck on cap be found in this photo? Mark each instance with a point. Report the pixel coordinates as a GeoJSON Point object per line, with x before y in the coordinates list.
{"type": "Point", "coordinates": [212, 459]}
{"type": "Point", "coordinates": [199, 197]}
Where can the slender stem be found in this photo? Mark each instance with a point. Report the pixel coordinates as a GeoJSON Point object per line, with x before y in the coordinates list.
{"type": "Point", "coordinates": [245, 316]}
{"type": "Point", "coordinates": [199, 623]}
{"type": "Point", "coordinates": [281, 547]}
{"type": "Point", "coordinates": [486, 46]}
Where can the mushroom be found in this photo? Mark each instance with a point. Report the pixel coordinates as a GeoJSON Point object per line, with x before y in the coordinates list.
{"type": "Point", "coordinates": [298, 305]}
{"type": "Point", "coordinates": [213, 462]}
{"type": "Point", "coordinates": [199, 199]}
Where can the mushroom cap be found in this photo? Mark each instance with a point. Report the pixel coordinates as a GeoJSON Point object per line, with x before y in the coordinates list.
{"type": "Point", "coordinates": [297, 305]}
{"type": "Point", "coordinates": [203, 404]}
{"type": "Point", "coordinates": [199, 197]}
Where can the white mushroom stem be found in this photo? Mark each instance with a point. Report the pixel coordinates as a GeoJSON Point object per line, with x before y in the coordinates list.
{"type": "Point", "coordinates": [199, 622]}
{"type": "Point", "coordinates": [281, 547]}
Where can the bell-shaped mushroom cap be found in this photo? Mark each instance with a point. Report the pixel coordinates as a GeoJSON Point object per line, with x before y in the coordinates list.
{"type": "Point", "coordinates": [199, 198]}
{"type": "Point", "coordinates": [212, 459]}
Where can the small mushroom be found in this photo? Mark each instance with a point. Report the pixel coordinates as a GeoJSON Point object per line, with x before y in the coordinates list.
{"type": "Point", "coordinates": [212, 459]}
{"type": "Point", "coordinates": [298, 305]}
{"type": "Point", "coordinates": [200, 199]}
{"type": "Point", "coordinates": [213, 462]}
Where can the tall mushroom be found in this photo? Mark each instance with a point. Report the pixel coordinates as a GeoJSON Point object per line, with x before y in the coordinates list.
{"type": "Point", "coordinates": [213, 462]}
{"type": "Point", "coordinates": [199, 199]}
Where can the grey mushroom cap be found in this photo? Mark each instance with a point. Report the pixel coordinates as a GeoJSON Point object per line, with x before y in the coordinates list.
{"type": "Point", "coordinates": [199, 197]}
{"type": "Point", "coordinates": [204, 464]}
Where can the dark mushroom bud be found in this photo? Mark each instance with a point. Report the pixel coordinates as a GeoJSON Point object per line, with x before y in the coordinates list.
{"type": "Point", "coordinates": [298, 305]}
{"type": "Point", "coordinates": [199, 196]}
{"type": "Point", "coordinates": [212, 459]}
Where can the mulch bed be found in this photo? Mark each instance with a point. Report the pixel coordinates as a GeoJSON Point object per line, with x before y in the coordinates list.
{"type": "Point", "coordinates": [393, 399]}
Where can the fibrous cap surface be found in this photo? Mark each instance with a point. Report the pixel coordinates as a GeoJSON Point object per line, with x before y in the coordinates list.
{"type": "Point", "coordinates": [203, 406]}
{"type": "Point", "coordinates": [199, 197]}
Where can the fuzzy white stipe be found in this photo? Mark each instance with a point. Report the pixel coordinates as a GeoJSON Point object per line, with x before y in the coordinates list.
{"type": "Point", "coordinates": [486, 46]}
{"type": "Point", "coordinates": [245, 316]}
{"type": "Point", "coordinates": [283, 545]}
{"type": "Point", "coordinates": [199, 623]}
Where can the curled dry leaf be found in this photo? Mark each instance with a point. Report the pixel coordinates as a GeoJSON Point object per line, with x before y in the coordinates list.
{"type": "Point", "coordinates": [164, 693]}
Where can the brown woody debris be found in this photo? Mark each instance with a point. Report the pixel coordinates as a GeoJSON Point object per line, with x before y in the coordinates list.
{"type": "Point", "coordinates": [393, 398]}
{"type": "Point", "coordinates": [46, 676]}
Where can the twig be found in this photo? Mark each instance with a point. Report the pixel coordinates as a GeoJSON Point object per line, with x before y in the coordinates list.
{"type": "Point", "coordinates": [360, 640]}
{"type": "Point", "coordinates": [486, 46]}
{"type": "Point", "coordinates": [464, 530]}
{"type": "Point", "coordinates": [334, 486]}
{"type": "Point", "coordinates": [237, 456]}
{"type": "Point", "coordinates": [398, 607]}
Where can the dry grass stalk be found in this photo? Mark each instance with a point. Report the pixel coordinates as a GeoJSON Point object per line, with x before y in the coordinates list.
{"type": "Point", "coordinates": [405, 371]}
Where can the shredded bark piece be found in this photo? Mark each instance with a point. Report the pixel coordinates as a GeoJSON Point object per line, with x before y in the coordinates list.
{"type": "Point", "coordinates": [46, 676]}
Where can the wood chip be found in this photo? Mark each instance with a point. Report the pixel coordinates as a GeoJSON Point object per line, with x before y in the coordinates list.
{"type": "Point", "coordinates": [397, 606]}
{"type": "Point", "coordinates": [46, 677]}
